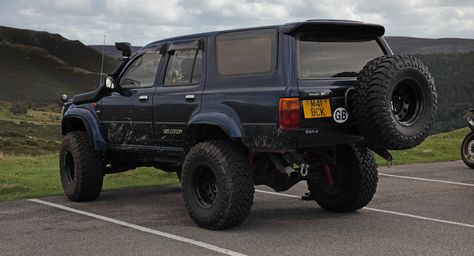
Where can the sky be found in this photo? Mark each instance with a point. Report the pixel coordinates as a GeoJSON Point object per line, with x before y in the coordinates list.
{"type": "Point", "coordinates": [144, 21]}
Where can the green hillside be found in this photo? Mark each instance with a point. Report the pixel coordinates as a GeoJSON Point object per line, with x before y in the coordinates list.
{"type": "Point", "coordinates": [39, 66]}
{"type": "Point", "coordinates": [454, 78]}
{"type": "Point", "coordinates": [34, 133]}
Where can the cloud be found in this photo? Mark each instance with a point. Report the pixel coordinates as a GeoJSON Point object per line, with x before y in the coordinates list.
{"type": "Point", "coordinates": [149, 20]}
{"type": "Point", "coordinates": [149, 11]}
{"type": "Point", "coordinates": [71, 7]}
{"type": "Point", "coordinates": [423, 18]}
{"type": "Point", "coordinates": [242, 9]}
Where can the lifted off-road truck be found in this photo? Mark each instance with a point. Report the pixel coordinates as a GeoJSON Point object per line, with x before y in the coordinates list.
{"type": "Point", "coordinates": [270, 106]}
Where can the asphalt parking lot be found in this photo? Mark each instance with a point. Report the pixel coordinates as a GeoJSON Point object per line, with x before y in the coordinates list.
{"type": "Point", "coordinates": [421, 209]}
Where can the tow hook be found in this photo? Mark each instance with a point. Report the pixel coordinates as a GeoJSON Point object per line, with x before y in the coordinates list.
{"type": "Point", "coordinates": [304, 169]}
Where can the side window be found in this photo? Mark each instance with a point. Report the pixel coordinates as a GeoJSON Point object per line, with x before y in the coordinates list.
{"type": "Point", "coordinates": [184, 67]}
{"type": "Point", "coordinates": [141, 72]}
{"type": "Point", "coordinates": [246, 53]}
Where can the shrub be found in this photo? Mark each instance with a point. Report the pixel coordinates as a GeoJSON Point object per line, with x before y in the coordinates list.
{"type": "Point", "coordinates": [19, 108]}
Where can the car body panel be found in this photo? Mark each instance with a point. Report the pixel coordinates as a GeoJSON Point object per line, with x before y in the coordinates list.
{"type": "Point", "coordinates": [244, 107]}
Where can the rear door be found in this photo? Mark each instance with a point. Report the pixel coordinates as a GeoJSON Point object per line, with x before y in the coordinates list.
{"type": "Point", "coordinates": [127, 114]}
{"type": "Point", "coordinates": [179, 95]}
{"type": "Point", "coordinates": [327, 67]}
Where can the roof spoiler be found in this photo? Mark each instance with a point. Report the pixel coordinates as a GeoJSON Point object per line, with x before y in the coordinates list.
{"type": "Point", "coordinates": [335, 27]}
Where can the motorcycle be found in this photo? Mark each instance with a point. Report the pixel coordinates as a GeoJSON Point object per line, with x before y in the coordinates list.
{"type": "Point", "coordinates": [467, 146]}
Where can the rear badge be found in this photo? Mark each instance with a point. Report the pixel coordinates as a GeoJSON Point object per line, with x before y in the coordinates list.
{"type": "Point", "coordinates": [312, 131]}
{"type": "Point", "coordinates": [340, 115]}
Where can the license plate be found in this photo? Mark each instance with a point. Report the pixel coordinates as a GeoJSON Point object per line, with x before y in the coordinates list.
{"type": "Point", "coordinates": [317, 108]}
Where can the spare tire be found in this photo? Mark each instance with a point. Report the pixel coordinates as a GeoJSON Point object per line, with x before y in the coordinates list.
{"type": "Point", "coordinates": [394, 102]}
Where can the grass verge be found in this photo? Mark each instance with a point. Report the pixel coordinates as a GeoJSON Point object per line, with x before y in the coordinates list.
{"type": "Point", "coordinates": [36, 176]}
{"type": "Point", "coordinates": [439, 147]}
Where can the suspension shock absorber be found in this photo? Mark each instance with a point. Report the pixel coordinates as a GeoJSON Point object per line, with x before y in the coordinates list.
{"type": "Point", "coordinates": [328, 174]}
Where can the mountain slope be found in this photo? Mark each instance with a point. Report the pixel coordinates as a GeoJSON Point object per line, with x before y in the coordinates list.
{"type": "Point", "coordinates": [109, 50]}
{"type": "Point", "coordinates": [454, 81]}
{"type": "Point", "coordinates": [71, 52]}
{"type": "Point", "coordinates": [398, 44]}
{"type": "Point", "coordinates": [39, 66]}
{"type": "Point", "coordinates": [413, 45]}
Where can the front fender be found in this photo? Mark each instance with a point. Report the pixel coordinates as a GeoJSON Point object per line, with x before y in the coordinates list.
{"type": "Point", "coordinates": [225, 122]}
{"type": "Point", "coordinates": [91, 124]}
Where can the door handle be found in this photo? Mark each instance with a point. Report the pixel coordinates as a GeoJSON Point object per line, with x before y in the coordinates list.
{"type": "Point", "coordinates": [190, 97]}
{"type": "Point", "coordinates": [143, 98]}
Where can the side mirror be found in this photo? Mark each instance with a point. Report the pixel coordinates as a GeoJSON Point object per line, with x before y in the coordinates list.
{"type": "Point", "coordinates": [109, 82]}
{"type": "Point", "coordinates": [64, 98]}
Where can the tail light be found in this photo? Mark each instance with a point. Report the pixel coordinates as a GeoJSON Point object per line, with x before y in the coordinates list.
{"type": "Point", "coordinates": [289, 113]}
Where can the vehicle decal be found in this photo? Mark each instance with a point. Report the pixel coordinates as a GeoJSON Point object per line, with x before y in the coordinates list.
{"type": "Point", "coordinates": [340, 115]}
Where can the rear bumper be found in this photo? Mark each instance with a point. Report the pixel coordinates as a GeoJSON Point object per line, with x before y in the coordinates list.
{"type": "Point", "coordinates": [273, 139]}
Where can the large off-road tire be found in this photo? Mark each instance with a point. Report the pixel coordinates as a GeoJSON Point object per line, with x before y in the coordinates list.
{"type": "Point", "coordinates": [355, 181]}
{"type": "Point", "coordinates": [217, 185]}
{"type": "Point", "coordinates": [81, 168]}
{"type": "Point", "coordinates": [394, 102]}
{"type": "Point", "coordinates": [467, 150]}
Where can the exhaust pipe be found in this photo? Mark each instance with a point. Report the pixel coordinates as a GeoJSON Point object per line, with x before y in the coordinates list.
{"type": "Point", "coordinates": [291, 172]}
{"type": "Point", "coordinates": [285, 170]}
{"type": "Point", "coordinates": [288, 170]}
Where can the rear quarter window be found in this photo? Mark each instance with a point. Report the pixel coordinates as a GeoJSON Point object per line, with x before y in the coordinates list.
{"type": "Point", "coordinates": [324, 58]}
{"type": "Point", "coordinates": [246, 53]}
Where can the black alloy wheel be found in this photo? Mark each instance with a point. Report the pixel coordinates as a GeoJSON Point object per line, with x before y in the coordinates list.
{"type": "Point", "coordinates": [205, 186]}
{"type": "Point", "coordinates": [407, 102]}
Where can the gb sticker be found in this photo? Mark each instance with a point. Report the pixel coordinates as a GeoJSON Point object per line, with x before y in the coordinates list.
{"type": "Point", "coordinates": [340, 115]}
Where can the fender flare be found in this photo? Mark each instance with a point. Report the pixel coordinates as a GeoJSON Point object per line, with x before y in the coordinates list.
{"type": "Point", "coordinates": [90, 122]}
{"type": "Point", "coordinates": [225, 122]}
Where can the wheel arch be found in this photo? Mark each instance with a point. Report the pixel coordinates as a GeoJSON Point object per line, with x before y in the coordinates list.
{"type": "Point", "coordinates": [211, 126]}
{"type": "Point", "coordinates": [82, 119]}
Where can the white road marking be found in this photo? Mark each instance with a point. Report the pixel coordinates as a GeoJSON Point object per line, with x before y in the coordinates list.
{"type": "Point", "coordinates": [424, 179]}
{"type": "Point", "coordinates": [421, 217]}
{"type": "Point", "coordinates": [276, 194]}
{"type": "Point", "coordinates": [385, 211]}
{"type": "Point", "coordinates": [141, 228]}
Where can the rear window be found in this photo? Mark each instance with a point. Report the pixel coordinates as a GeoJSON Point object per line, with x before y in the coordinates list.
{"type": "Point", "coordinates": [320, 58]}
{"type": "Point", "coordinates": [246, 53]}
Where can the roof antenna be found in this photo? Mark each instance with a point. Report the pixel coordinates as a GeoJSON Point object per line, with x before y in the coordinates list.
{"type": "Point", "coordinates": [102, 63]}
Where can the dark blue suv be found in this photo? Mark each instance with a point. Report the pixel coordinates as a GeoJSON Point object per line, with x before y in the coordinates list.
{"type": "Point", "coordinates": [271, 106]}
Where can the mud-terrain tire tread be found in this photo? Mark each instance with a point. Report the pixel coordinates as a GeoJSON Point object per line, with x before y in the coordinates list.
{"type": "Point", "coordinates": [363, 184]}
{"type": "Point", "coordinates": [89, 167]}
{"type": "Point", "coordinates": [369, 97]}
{"type": "Point", "coordinates": [238, 187]}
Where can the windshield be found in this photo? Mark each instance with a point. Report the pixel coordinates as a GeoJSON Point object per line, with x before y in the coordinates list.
{"type": "Point", "coordinates": [322, 58]}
